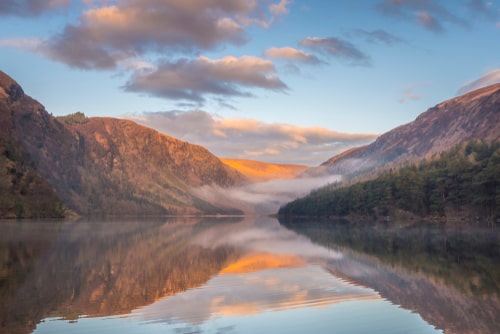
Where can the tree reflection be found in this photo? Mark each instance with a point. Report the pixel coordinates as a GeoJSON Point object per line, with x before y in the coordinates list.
{"type": "Point", "coordinates": [450, 275]}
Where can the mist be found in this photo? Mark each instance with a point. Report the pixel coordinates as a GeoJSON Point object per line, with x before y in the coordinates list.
{"type": "Point", "coordinates": [264, 198]}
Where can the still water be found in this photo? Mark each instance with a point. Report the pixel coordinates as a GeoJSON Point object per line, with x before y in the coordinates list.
{"type": "Point", "coordinates": [247, 275]}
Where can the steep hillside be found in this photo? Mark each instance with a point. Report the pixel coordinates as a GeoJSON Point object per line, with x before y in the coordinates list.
{"type": "Point", "coordinates": [461, 182]}
{"type": "Point", "coordinates": [261, 171]}
{"type": "Point", "coordinates": [23, 191]}
{"type": "Point", "coordinates": [475, 115]}
{"type": "Point", "coordinates": [102, 165]}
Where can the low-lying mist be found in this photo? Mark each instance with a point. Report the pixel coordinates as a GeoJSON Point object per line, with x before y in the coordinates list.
{"type": "Point", "coordinates": [264, 197]}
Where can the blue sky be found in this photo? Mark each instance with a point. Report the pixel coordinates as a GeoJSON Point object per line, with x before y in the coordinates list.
{"type": "Point", "coordinates": [273, 80]}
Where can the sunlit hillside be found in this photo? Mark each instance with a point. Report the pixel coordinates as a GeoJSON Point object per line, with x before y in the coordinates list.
{"type": "Point", "coordinates": [262, 171]}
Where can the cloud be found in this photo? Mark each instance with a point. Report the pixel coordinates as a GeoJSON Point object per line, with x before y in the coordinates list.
{"type": "Point", "coordinates": [428, 21]}
{"type": "Point", "coordinates": [409, 94]}
{"type": "Point", "coordinates": [107, 33]}
{"type": "Point", "coordinates": [28, 44]}
{"type": "Point", "coordinates": [253, 139]}
{"type": "Point", "coordinates": [192, 80]}
{"type": "Point", "coordinates": [337, 48]}
{"type": "Point", "coordinates": [427, 13]}
{"type": "Point", "coordinates": [483, 9]}
{"type": "Point", "coordinates": [378, 36]}
{"type": "Point", "coordinates": [279, 8]}
{"type": "Point", "coordinates": [29, 8]}
{"type": "Point", "coordinates": [489, 78]}
{"type": "Point", "coordinates": [292, 54]}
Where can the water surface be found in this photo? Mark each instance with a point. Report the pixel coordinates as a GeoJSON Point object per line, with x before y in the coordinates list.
{"type": "Point", "coordinates": [246, 276]}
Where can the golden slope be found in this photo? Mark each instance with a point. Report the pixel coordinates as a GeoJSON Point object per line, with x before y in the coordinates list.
{"type": "Point", "coordinates": [262, 171]}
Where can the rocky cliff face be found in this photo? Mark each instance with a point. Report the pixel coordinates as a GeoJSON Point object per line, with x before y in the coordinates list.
{"type": "Point", "coordinates": [102, 165]}
{"type": "Point", "coordinates": [475, 115]}
{"type": "Point", "coordinates": [24, 192]}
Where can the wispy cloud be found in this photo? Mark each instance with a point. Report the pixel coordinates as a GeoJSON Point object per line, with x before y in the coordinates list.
{"type": "Point", "coordinates": [427, 13]}
{"type": "Point", "coordinates": [487, 79]}
{"type": "Point", "coordinates": [253, 139]}
{"type": "Point", "coordinates": [409, 93]}
{"type": "Point", "coordinates": [483, 9]}
{"type": "Point", "coordinates": [292, 54]}
{"type": "Point", "coordinates": [192, 80]}
{"type": "Point", "coordinates": [27, 44]}
{"type": "Point", "coordinates": [337, 48]}
{"type": "Point", "coordinates": [377, 36]}
{"type": "Point", "coordinates": [428, 21]}
{"type": "Point", "coordinates": [29, 8]}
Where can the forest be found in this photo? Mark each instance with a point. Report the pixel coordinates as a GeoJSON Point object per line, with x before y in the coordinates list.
{"type": "Point", "coordinates": [461, 182]}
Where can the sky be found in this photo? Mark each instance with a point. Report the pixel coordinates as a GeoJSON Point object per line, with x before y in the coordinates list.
{"type": "Point", "coordinates": [283, 81]}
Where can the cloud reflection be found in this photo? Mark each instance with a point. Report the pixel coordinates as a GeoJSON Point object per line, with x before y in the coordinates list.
{"type": "Point", "coordinates": [255, 292]}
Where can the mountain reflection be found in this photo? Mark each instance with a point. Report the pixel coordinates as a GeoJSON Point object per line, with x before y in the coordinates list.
{"type": "Point", "coordinates": [96, 269]}
{"type": "Point", "coordinates": [192, 272]}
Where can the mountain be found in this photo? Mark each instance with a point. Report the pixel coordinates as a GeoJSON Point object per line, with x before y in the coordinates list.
{"type": "Point", "coordinates": [98, 165]}
{"type": "Point", "coordinates": [24, 192]}
{"type": "Point", "coordinates": [262, 171]}
{"type": "Point", "coordinates": [475, 115]}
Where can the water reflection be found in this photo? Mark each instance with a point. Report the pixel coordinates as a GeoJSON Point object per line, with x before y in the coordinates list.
{"type": "Point", "coordinates": [449, 275]}
{"type": "Point", "coordinates": [214, 275]}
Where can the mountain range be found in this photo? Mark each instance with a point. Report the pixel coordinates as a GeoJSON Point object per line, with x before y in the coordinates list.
{"type": "Point", "coordinates": [51, 166]}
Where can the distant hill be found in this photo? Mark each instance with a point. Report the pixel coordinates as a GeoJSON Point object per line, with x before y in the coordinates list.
{"type": "Point", "coordinates": [445, 163]}
{"type": "Point", "coordinates": [97, 165]}
{"type": "Point", "coordinates": [262, 171]}
{"type": "Point", "coordinates": [475, 115]}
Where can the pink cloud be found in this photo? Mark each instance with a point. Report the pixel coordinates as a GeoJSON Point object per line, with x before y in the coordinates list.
{"type": "Point", "coordinates": [247, 138]}
{"type": "Point", "coordinates": [291, 54]}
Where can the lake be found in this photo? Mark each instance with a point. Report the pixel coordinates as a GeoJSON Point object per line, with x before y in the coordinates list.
{"type": "Point", "coordinates": [247, 275]}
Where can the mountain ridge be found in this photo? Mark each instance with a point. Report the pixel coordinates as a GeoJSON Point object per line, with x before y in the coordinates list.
{"type": "Point", "coordinates": [101, 165]}
{"type": "Point", "coordinates": [474, 115]}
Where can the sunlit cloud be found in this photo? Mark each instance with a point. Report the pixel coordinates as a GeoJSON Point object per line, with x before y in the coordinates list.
{"type": "Point", "coordinates": [192, 80]}
{"type": "Point", "coordinates": [253, 139]}
{"type": "Point", "coordinates": [29, 8]}
{"type": "Point", "coordinates": [337, 48]}
{"type": "Point", "coordinates": [292, 54]}
{"type": "Point", "coordinates": [110, 31]}
{"type": "Point", "coordinates": [489, 78]}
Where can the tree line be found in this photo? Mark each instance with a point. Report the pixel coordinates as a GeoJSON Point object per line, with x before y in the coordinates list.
{"type": "Point", "coordinates": [462, 181]}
